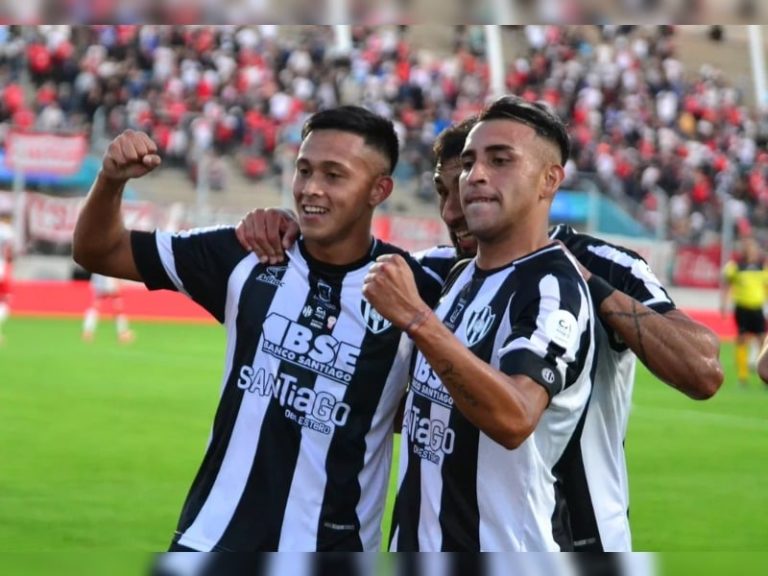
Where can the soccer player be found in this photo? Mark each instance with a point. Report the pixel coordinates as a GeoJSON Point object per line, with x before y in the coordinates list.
{"type": "Point", "coordinates": [503, 370]}
{"type": "Point", "coordinates": [300, 450]}
{"type": "Point", "coordinates": [747, 279]}
{"type": "Point", "coordinates": [106, 295]}
{"type": "Point", "coordinates": [6, 261]}
{"type": "Point", "coordinates": [637, 318]}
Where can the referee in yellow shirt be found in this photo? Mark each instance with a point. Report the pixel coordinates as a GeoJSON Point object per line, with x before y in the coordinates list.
{"type": "Point", "coordinates": [747, 279]}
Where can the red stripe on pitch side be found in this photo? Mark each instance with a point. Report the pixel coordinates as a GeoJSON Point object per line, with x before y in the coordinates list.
{"type": "Point", "coordinates": [70, 299]}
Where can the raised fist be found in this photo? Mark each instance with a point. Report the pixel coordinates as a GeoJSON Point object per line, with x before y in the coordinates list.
{"type": "Point", "coordinates": [130, 155]}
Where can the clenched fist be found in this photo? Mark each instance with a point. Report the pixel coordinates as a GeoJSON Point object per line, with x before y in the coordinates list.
{"type": "Point", "coordinates": [130, 155]}
{"type": "Point", "coordinates": [391, 289]}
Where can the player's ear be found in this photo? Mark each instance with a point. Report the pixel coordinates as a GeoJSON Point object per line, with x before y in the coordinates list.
{"type": "Point", "coordinates": [381, 189]}
{"type": "Point", "coordinates": [553, 176]}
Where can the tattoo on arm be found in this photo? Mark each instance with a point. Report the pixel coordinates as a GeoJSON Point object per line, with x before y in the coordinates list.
{"type": "Point", "coordinates": [635, 317]}
{"type": "Point", "coordinates": [449, 377]}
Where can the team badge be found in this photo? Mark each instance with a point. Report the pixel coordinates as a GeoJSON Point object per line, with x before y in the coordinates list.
{"type": "Point", "coordinates": [324, 291]}
{"type": "Point", "coordinates": [478, 324]}
{"type": "Point", "coordinates": [374, 321]}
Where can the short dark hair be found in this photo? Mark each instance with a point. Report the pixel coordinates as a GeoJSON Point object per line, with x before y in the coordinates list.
{"type": "Point", "coordinates": [376, 131]}
{"type": "Point", "coordinates": [450, 142]}
{"type": "Point", "coordinates": [537, 115]}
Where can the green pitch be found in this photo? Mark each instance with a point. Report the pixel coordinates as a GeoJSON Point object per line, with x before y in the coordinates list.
{"type": "Point", "coordinates": [99, 443]}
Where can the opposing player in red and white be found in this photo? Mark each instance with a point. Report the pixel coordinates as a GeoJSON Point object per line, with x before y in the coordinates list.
{"type": "Point", "coordinates": [6, 259]}
{"type": "Point", "coordinates": [107, 296]}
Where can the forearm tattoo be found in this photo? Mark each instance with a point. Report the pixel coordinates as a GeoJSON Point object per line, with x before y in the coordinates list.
{"type": "Point", "coordinates": [635, 316]}
{"type": "Point", "coordinates": [453, 382]}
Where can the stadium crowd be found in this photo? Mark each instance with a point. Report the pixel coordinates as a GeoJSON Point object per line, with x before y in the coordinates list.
{"type": "Point", "coordinates": [651, 134]}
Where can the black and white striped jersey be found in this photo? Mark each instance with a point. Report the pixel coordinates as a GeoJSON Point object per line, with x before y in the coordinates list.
{"type": "Point", "coordinates": [460, 490]}
{"type": "Point", "coordinates": [594, 467]}
{"type": "Point", "coordinates": [300, 450]}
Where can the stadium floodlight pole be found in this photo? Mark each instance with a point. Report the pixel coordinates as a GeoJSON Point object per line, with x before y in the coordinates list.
{"type": "Point", "coordinates": [662, 207]}
{"type": "Point", "coordinates": [203, 189]}
{"type": "Point", "coordinates": [287, 161]}
{"type": "Point", "coordinates": [495, 60]}
{"type": "Point", "coordinates": [19, 183]}
{"type": "Point", "coordinates": [338, 13]}
{"type": "Point", "coordinates": [757, 53]}
{"type": "Point", "coordinates": [343, 38]}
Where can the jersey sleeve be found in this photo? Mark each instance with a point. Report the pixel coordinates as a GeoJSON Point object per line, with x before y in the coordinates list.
{"type": "Point", "coordinates": [437, 261]}
{"type": "Point", "coordinates": [430, 270]}
{"type": "Point", "coordinates": [551, 331]}
{"type": "Point", "coordinates": [629, 272]}
{"type": "Point", "coordinates": [197, 263]}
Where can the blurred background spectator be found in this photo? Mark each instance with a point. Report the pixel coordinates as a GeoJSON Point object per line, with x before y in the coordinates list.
{"type": "Point", "coordinates": [668, 142]}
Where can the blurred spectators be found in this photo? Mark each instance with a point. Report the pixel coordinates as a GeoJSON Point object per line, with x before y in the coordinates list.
{"type": "Point", "coordinates": [650, 133]}
{"type": "Point", "coordinates": [668, 145]}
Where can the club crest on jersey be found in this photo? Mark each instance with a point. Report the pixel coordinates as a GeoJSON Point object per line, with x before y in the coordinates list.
{"type": "Point", "coordinates": [478, 324]}
{"type": "Point", "coordinates": [324, 291]}
{"type": "Point", "coordinates": [273, 276]}
{"type": "Point", "coordinates": [374, 321]}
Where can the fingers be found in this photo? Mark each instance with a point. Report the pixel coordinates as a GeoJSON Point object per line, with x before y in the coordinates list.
{"type": "Point", "coordinates": [268, 233]}
{"type": "Point", "coordinates": [393, 259]}
{"type": "Point", "coordinates": [387, 267]}
{"type": "Point", "coordinates": [258, 230]}
{"type": "Point", "coordinates": [240, 234]}
{"type": "Point", "coordinates": [130, 155]}
{"type": "Point", "coordinates": [273, 242]}
{"type": "Point", "coordinates": [252, 225]}
{"type": "Point", "coordinates": [151, 161]}
{"type": "Point", "coordinates": [290, 230]}
{"type": "Point", "coordinates": [252, 234]}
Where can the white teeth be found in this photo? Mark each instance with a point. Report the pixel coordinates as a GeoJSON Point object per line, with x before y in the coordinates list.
{"type": "Point", "coordinates": [315, 210]}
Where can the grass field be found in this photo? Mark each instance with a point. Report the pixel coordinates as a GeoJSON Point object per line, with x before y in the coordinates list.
{"type": "Point", "coordinates": [99, 443]}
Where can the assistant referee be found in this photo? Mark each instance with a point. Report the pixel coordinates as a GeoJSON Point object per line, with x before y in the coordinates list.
{"type": "Point", "coordinates": [747, 278]}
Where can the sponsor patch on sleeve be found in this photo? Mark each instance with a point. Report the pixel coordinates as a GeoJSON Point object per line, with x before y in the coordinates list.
{"type": "Point", "coordinates": [562, 328]}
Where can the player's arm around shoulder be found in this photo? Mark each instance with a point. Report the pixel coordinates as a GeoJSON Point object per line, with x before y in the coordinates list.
{"type": "Point", "coordinates": [680, 351]}
{"type": "Point", "coordinates": [101, 242]}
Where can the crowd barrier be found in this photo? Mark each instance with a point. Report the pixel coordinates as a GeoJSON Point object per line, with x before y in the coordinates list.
{"type": "Point", "coordinates": [70, 299]}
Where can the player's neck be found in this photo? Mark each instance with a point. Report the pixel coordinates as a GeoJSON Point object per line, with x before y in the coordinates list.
{"type": "Point", "coordinates": [339, 253]}
{"type": "Point", "coordinates": [500, 252]}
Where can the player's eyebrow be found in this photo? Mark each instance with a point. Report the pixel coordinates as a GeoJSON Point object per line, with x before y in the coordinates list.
{"type": "Point", "coordinates": [491, 148]}
{"type": "Point", "coordinates": [324, 164]}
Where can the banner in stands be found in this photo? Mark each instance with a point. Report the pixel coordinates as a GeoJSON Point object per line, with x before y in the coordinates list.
{"type": "Point", "coordinates": [6, 202]}
{"type": "Point", "coordinates": [697, 267]}
{"type": "Point", "coordinates": [410, 233]}
{"type": "Point", "coordinates": [47, 153]}
{"type": "Point", "coordinates": [53, 219]}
